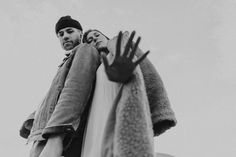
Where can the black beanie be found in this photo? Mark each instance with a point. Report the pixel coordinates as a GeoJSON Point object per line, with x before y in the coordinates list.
{"type": "Point", "coordinates": [67, 21]}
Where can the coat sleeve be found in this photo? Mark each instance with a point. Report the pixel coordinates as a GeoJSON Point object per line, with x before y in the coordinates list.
{"type": "Point", "coordinates": [162, 114]}
{"type": "Point", "coordinates": [27, 125]}
{"type": "Point", "coordinates": [75, 94]}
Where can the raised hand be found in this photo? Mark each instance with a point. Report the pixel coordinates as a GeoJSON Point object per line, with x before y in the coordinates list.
{"type": "Point", "coordinates": [122, 67]}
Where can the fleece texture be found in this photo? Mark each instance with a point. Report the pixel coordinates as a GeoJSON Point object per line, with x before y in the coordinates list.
{"type": "Point", "coordinates": [129, 131]}
{"type": "Point", "coordinates": [162, 115]}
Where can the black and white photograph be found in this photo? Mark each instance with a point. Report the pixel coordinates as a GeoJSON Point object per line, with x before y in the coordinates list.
{"type": "Point", "coordinates": [127, 78]}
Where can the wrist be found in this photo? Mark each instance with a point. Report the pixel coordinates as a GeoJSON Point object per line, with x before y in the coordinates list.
{"type": "Point", "coordinates": [53, 147]}
{"type": "Point", "coordinates": [55, 139]}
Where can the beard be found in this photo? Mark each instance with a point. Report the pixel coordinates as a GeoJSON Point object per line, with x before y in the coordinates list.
{"type": "Point", "coordinates": [71, 45]}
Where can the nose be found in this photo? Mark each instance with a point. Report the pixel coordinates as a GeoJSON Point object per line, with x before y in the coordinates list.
{"type": "Point", "coordinates": [95, 39]}
{"type": "Point", "coordinates": [65, 36]}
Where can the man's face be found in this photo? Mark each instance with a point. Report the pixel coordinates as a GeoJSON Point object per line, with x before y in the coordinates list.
{"type": "Point", "coordinates": [97, 39]}
{"type": "Point", "coordinates": [69, 37]}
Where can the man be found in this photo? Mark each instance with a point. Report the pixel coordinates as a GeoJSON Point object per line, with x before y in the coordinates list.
{"type": "Point", "coordinates": [58, 117]}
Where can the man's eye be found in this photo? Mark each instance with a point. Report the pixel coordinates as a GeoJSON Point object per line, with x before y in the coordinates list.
{"type": "Point", "coordinates": [60, 34]}
{"type": "Point", "coordinates": [70, 31]}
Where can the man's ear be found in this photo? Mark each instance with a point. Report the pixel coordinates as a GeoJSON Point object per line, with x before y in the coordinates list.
{"type": "Point", "coordinates": [81, 35]}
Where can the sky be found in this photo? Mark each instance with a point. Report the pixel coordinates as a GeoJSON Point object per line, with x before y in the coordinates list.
{"type": "Point", "coordinates": [192, 44]}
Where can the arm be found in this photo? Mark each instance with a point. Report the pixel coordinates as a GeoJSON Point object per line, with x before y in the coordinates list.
{"type": "Point", "coordinates": [162, 114]}
{"type": "Point", "coordinates": [163, 117]}
{"type": "Point", "coordinates": [53, 147]}
{"type": "Point", "coordinates": [73, 98]}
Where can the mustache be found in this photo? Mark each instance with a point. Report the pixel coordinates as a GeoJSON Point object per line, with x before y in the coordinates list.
{"type": "Point", "coordinates": [65, 42]}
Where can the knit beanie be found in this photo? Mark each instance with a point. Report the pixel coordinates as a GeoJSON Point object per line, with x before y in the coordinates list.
{"type": "Point", "coordinates": [67, 21]}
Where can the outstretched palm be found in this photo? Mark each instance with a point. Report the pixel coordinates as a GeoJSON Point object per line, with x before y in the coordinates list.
{"type": "Point", "coordinates": [122, 67]}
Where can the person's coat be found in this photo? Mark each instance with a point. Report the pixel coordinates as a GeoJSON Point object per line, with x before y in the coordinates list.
{"type": "Point", "coordinates": [61, 110]}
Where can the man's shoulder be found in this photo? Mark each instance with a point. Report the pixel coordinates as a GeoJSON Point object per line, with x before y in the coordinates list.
{"type": "Point", "coordinates": [82, 45]}
{"type": "Point", "coordinates": [84, 48]}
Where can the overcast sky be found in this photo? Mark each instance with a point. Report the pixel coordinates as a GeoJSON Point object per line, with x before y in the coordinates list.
{"type": "Point", "coordinates": [192, 44]}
